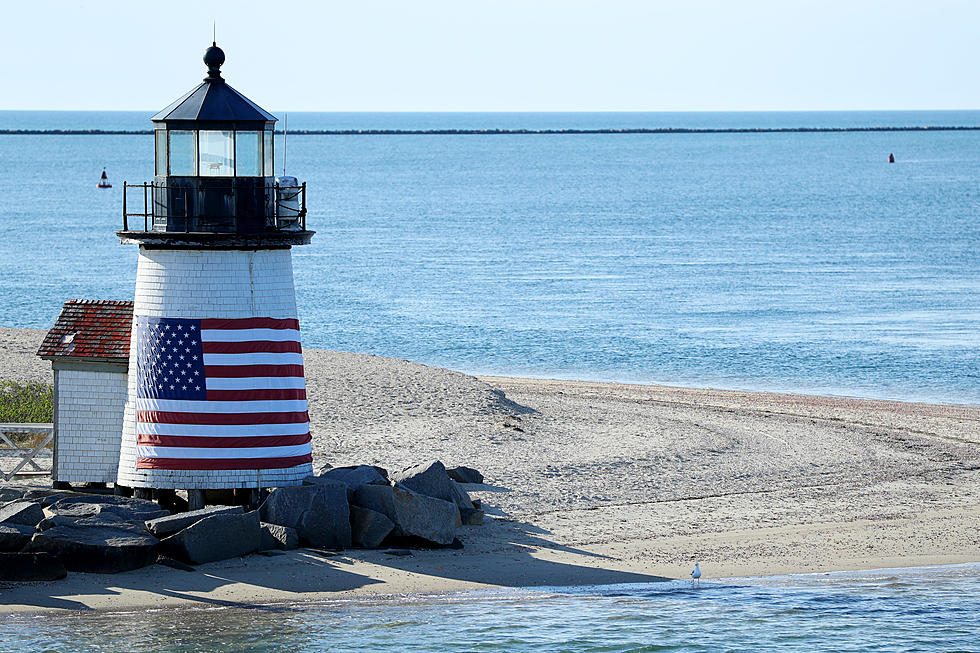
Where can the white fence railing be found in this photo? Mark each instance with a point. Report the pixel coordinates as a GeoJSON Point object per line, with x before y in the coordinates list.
{"type": "Point", "coordinates": [27, 456]}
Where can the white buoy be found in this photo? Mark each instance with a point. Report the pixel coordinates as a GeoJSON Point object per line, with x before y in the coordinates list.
{"type": "Point", "coordinates": [696, 574]}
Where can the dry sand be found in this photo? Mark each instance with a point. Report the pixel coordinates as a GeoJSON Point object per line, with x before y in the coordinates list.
{"type": "Point", "coordinates": [594, 483]}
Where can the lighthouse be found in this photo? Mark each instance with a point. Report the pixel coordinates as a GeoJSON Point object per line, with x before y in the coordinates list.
{"type": "Point", "coordinates": [216, 394]}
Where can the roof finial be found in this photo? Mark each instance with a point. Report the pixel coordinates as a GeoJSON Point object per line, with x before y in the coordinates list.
{"type": "Point", "coordinates": [213, 59]}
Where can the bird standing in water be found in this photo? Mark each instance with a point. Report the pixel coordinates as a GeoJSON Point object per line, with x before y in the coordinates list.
{"type": "Point", "coordinates": [696, 574]}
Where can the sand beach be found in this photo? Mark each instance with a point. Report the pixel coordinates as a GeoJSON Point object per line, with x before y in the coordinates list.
{"type": "Point", "coordinates": [594, 483]}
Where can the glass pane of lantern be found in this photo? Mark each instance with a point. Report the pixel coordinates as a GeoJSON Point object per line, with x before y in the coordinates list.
{"type": "Point", "coordinates": [161, 148]}
{"type": "Point", "coordinates": [217, 154]}
{"type": "Point", "coordinates": [269, 160]}
{"type": "Point", "coordinates": [248, 154]}
{"type": "Point", "coordinates": [183, 153]}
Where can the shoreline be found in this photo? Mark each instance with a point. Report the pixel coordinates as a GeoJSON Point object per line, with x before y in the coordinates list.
{"type": "Point", "coordinates": [594, 483]}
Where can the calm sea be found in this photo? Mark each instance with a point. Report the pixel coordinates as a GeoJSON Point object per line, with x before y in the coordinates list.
{"type": "Point", "coordinates": [926, 609]}
{"type": "Point", "coordinates": [773, 261]}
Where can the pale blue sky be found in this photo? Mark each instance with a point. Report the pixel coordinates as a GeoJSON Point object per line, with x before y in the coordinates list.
{"type": "Point", "coordinates": [499, 55]}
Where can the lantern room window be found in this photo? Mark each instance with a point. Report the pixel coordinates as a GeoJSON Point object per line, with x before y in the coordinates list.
{"type": "Point", "coordinates": [183, 153]}
{"type": "Point", "coordinates": [248, 154]}
{"type": "Point", "coordinates": [217, 153]}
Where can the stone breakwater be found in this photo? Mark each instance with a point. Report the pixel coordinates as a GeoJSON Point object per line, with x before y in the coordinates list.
{"type": "Point", "coordinates": [491, 132]}
{"type": "Point", "coordinates": [44, 534]}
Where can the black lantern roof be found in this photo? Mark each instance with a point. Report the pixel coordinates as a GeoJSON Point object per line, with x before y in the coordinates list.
{"type": "Point", "coordinates": [215, 103]}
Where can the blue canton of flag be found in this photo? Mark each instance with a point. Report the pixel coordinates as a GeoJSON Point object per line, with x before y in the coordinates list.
{"type": "Point", "coordinates": [169, 359]}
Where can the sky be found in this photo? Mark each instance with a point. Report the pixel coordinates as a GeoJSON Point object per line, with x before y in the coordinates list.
{"type": "Point", "coordinates": [498, 55]}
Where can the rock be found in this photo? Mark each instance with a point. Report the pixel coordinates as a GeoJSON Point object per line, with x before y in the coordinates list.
{"type": "Point", "coordinates": [218, 537]}
{"type": "Point", "coordinates": [13, 537]}
{"type": "Point", "coordinates": [119, 512]}
{"type": "Point", "coordinates": [47, 496]}
{"type": "Point", "coordinates": [10, 493]}
{"type": "Point", "coordinates": [352, 477]}
{"type": "Point", "coordinates": [414, 514]}
{"type": "Point", "coordinates": [430, 479]}
{"type": "Point", "coordinates": [275, 536]}
{"type": "Point", "coordinates": [319, 513]}
{"type": "Point", "coordinates": [136, 509]}
{"type": "Point", "coordinates": [170, 524]}
{"type": "Point", "coordinates": [460, 498]}
{"type": "Point", "coordinates": [30, 567]}
{"type": "Point", "coordinates": [26, 513]}
{"type": "Point", "coordinates": [465, 475]}
{"type": "Point", "coordinates": [97, 548]}
{"type": "Point", "coordinates": [368, 527]}
{"type": "Point", "coordinates": [471, 516]}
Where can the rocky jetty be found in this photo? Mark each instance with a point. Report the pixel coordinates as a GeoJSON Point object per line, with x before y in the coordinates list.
{"type": "Point", "coordinates": [44, 534]}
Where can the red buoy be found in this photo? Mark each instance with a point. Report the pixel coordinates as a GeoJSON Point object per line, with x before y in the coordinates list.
{"type": "Point", "coordinates": [104, 182]}
{"type": "Point", "coordinates": [891, 158]}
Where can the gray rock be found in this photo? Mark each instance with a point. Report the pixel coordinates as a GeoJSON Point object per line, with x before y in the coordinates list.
{"type": "Point", "coordinates": [30, 567]}
{"type": "Point", "coordinates": [26, 513]}
{"type": "Point", "coordinates": [218, 537]}
{"type": "Point", "coordinates": [170, 524]}
{"type": "Point", "coordinates": [130, 507]}
{"type": "Point", "coordinates": [10, 493]}
{"type": "Point", "coordinates": [13, 537]}
{"type": "Point", "coordinates": [430, 479]}
{"type": "Point", "coordinates": [319, 513]}
{"type": "Point", "coordinates": [414, 514]}
{"type": "Point", "coordinates": [465, 475]}
{"type": "Point", "coordinates": [119, 512]}
{"type": "Point", "coordinates": [275, 536]}
{"type": "Point", "coordinates": [47, 496]}
{"type": "Point", "coordinates": [471, 516]}
{"type": "Point", "coordinates": [460, 498]}
{"type": "Point", "coordinates": [96, 548]}
{"type": "Point", "coordinates": [369, 528]}
{"type": "Point", "coordinates": [102, 519]}
{"type": "Point", "coordinates": [352, 477]}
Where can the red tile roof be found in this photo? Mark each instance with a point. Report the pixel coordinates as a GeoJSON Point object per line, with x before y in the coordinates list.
{"type": "Point", "coordinates": [90, 328]}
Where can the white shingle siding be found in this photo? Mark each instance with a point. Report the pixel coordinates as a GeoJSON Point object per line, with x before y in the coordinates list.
{"type": "Point", "coordinates": [89, 416]}
{"type": "Point", "coordinates": [202, 284]}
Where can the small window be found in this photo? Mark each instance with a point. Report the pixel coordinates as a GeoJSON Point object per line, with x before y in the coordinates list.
{"type": "Point", "coordinates": [183, 153]}
{"type": "Point", "coordinates": [161, 151]}
{"type": "Point", "coordinates": [217, 153]}
{"type": "Point", "coordinates": [248, 154]}
{"type": "Point", "coordinates": [269, 158]}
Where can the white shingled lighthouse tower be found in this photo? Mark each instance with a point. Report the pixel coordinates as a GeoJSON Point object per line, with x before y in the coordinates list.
{"type": "Point", "coordinates": [216, 394]}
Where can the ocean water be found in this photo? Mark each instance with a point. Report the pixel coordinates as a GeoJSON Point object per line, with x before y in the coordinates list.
{"type": "Point", "coordinates": [924, 609]}
{"type": "Point", "coordinates": [774, 261]}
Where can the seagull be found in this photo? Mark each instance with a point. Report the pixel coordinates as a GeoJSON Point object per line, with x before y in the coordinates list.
{"type": "Point", "coordinates": [696, 574]}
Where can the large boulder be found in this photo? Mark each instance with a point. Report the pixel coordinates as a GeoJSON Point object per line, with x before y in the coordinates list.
{"type": "Point", "coordinates": [413, 514]}
{"type": "Point", "coordinates": [368, 527]}
{"type": "Point", "coordinates": [96, 547]}
{"type": "Point", "coordinates": [26, 513]}
{"type": "Point", "coordinates": [13, 537]}
{"type": "Point", "coordinates": [352, 477]}
{"type": "Point", "coordinates": [432, 480]}
{"type": "Point", "coordinates": [463, 474]}
{"type": "Point", "coordinates": [319, 513]}
{"type": "Point", "coordinates": [275, 536]}
{"type": "Point", "coordinates": [218, 537]}
{"type": "Point", "coordinates": [127, 507]}
{"type": "Point", "coordinates": [170, 524]}
{"type": "Point", "coordinates": [30, 567]}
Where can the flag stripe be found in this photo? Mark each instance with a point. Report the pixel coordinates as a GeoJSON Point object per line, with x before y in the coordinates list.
{"type": "Point", "coordinates": [256, 358]}
{"type": "Point", "coordinates": [231, 419]}
{"type": "Point", "coordinates": [242, 371]}
{"type": "Point", "coordinates": [215, 430]}
{"type": "Point", "coordinates": [247, 383]}
{"type": "Point", "coordinates": [143, 451]}
{"type": "Point", "coordinates": [252, 346]}
{"type": "Point", "coordinates": [222, 442]}
{"type": "Point", "coordinates": [250, 323]}
{"type": "Point", "coordinates": [202, 407]}
{"type": "Point", "coordinates": [222, 463]}
{"type": "Point", "coordinates": [253, 395]}
{"type": "Point", "coordinates": [247, 335]}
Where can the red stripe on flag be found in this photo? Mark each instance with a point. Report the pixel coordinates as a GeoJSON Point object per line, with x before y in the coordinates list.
{"type": "Point", "coordinates": [222, 443]}
{"type": "Point", "coordinates": [256, 395]}
{"type": "Point", "coordinates": [229, 419]}
{"type": "Point", "coordinates": [222, 463]}
{"type": "Point", "coordinates": [243, 371]}
{"type": "Point", "coordinates": [250, 323]}
{"type": "Point", "coordinates": [251, 346]}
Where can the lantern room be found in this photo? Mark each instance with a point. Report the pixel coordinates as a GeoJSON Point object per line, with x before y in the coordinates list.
{"type": "Point", "coordinates": [214, 153]}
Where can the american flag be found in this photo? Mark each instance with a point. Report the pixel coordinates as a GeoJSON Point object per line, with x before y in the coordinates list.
{"type": "Point", "coordinates": [220, 394]}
